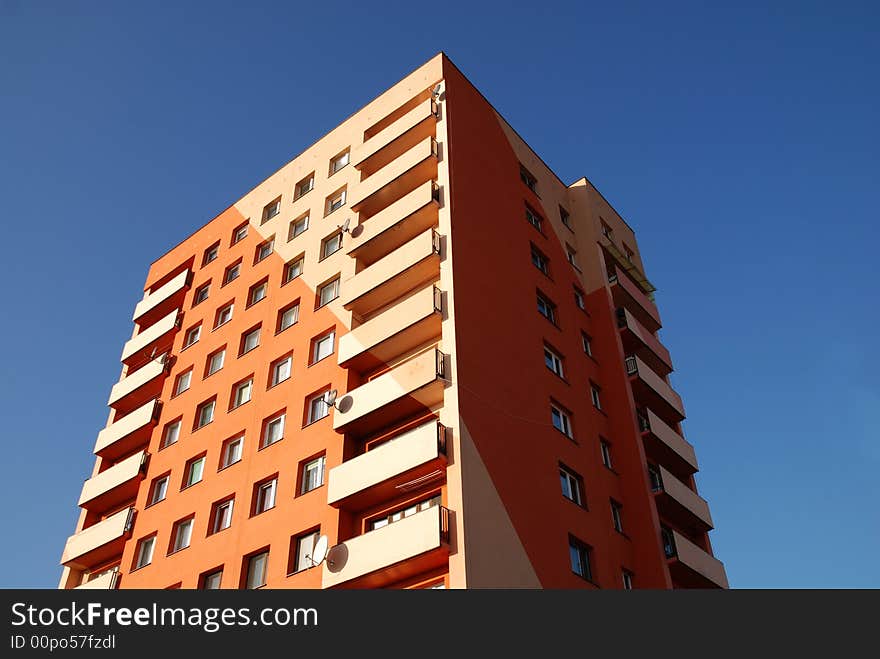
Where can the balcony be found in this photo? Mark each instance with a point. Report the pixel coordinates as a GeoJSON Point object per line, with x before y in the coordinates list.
{"type": "Point", "coordinates": [400, 550]}
{"type": "Point", "coordinates": [106, 581]}
{"type": "Point", "coordinates": [126, 433]}
{"type": "Point", "coordinates": [408, 324]}
{"type": "Point", "coordinates": [415, 124]}
{"type": "Point", "coordinates": [413, 386]}
{"type": "Point", "coordinates": [99, 542]}
{"type": "Point", "coordinates": [164, 292]}
{"type": "Point", "coordinates": [395, 225]}
{"type": "Point", "coordinates": [411, 459]}
{"type": "Point", "coordinates": [637, 339]}
{"type": "Point", "coordinates": [627, 294]}
{"type": "Point", "coordinates": [114, 485]}
{"type": "Point", "coordinates": [402, 175]}
{"type": "Point", "coordinates": [651, 389]}
{"type": "Point", "coordinates": [666, 442]}
{"type": "Point", "coordinates": [693, 567]}
{"type": "Point", "coordinates": [141, 342]}
{"type": "Point", "coordinates": [389, 278]}
{"type": "Point", "coordinates": [132, 383]}
{"type": "Point", "coordinates": [680, 504]}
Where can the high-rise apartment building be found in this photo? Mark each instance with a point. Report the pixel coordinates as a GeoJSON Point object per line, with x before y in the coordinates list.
{"type": "Point", "coordinates": [416, 340]}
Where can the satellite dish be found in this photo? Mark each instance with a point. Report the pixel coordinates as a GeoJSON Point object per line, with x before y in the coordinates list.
{"type": "Point", "coordinates": [330, 397]}
{"type": "Point", "coordinates": [319, 551]}
{"type": "Point", "coordinates": [337, 557]}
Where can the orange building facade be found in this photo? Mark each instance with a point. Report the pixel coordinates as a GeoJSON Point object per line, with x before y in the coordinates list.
{"type": "Point", "coordinates": [412, 339]}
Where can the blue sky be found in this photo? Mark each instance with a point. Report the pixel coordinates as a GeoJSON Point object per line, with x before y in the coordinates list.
{"type": "Point", "coordinates": [742, 143]}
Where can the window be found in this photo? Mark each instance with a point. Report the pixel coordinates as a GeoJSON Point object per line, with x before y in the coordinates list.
{"type": "Point", "coordinates": [293, 269]}
{"type": "Point", "coordinates": [182, 382]}
{"type": "Point", "coordinates": [616, 509]}
{"type": "Point", "coordinates": [192, 335]}
{"type": "Point", "coordinates": [328, 292]}
{"type": "Point", "coordinates": [304, 186]}
{"type": "Point", "coordinates": [605, 449]}
{"type": "Point", "coordinates": [398, 515]}
{"type": "Point", "coordinates": [258, 292]}
{"type": "Point", "coordinates": [240, 233]}
{"type": "Point", "coordinates": [271, 209]}
{"type": "Point", "coordinates": [323, 346]}
{"type": "Point", "coordinates": [579, 554]}
{"type": "Point", "coordinates": [171, 433]}
{"type": "Point", "coordinates": [205, 413]}
{"type": "Point", "coordinates": [145, 552]}
{"type": "Point", "coordinates": [668, 540]}
{"type": "Point", "coordinates": [181, 535]}
{"type": "Point", "coordinates": [331, 244]}
{"type": "Point", "coordinates": [264, 495]}
{"type": "Point", "coordinates": [318, 407]}
{"type": "Point", "coordinates": [215, 362]}
{"type": "Point", "coordinates": [339, 162]}
{"type": "Point", "coordinates": [565, 217]}
{"type": "Point", "coordinates": [579, 299]}
{"type": "Point", "coordinates": [280, 371]}
{"type": "Point", "coordinates": [540, 261]}
{"type": "Point", "coordinates": [232, 272]}
{"type": "Point", "coordinates": [530, 181]}
{"type": "Point", "coordinates": [312, 475]}
{"type": "Point", "coordinates": [231, 451]}
{"type": "Point", "coordinates": [571, 255]}
{"type": "Point", "coordinates": [273, 430]}
{"type": "Point", "coordinates": [159, 489]}
{"type": "Point", "coordinates": [264, 249]}
{"type": "Point", "coordinates": [627, 580]}
{"type": "Point", "coordinates": [195, 469]}
{"type": "Point", "coordinates": [553, 361]}
{"type": "Point", "coordinates": [561, 421]}
{"type": "Point", "coordinates": [211, 580]}
{"type": "Point", "coordinates": [628, 252]}
{"type": "Point", "coordinates": [211, 254]}
{"type": "Point", "coordinates": [250, 340]}
{"type": "Point", "coordinates": [335, 201]}
{"type": "Point", "coordinates": [256, 570]}
{"type": "Point", "coordinates": [288, 316]}
{"type": "Point", "coordinates": [201, 293]}
{"type": "Point", "coordinates": [572, 485]}
{"type": "Point", "coordinates": [655, 479]}
{"type": "Point", "coordinates": [534, 219]}
{"type": "Point", "coordinates": [297, 227]}
{"type": "Point", "coordinates": [594, 396]}
{"type": "Point", "coordinates": [546, 308]}
{"type": "Point", "coordinates": [221, 515]}
{"type": "Point", "coordinates": [587, 344]}
{"type": "Point", "coordinates": [224, 315]}
{"type": "Point", "coordinates": [241, 393]}
{"type": "Point", "coordinates": [303, 547]}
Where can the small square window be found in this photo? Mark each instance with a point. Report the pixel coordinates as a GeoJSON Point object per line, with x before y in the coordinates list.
{"type": "Point", "coordinates": [288, 317]}
{"type": "Point", "coordinates": [210, 254]}
{"type": "Point", "coordinates": [579, 554]}
{"type": "Point", "coordinates": [627, 580]}
{"type": "Point", "coordinates": [255, 571]}
{"type": "Point", "coordinates": [328, 292]}
{"type": "Point", "coordinates": [232, 272]}
{"type": "Point", "coordinates": [271, 209]}
{"type": "Point", "coordinates": [546, 308]}
{"type": "Point", "coordinates": [250, 340]}
{"type": "Point", "coordinates": [258, 292]}
{"type": "Point", "coordinates": [223, 316]}
{"type": "Point", "coordinates": [159, 489]}
{"type": "Point", "coordinates": [540, 261]}
{"type": "Point", "coordinates": [628, 253]}
{"type": "Point", "coordinates": [571, 255]}
{"type": "Point", "coordinates": [587, 344]}
{"type": "Point", "coordinates": [304, 186]}
{"type": "Point", "coordinates": [240, 233]}
{"type": "Point", "coordinates": [553, 361]}
{"type": "Point", "coordinates": [331, 244]}
{"type": "Point", "coordinates": [205, 413]}
{"type": "Point", "coordinates": [215, 362]}
{"type": "Point", "coordinates": [280, 371]}
{"type": "Point", "coordinates": [211, 580]}
{"type": "Point", "coordinates": [264, 249]}
{"type": "Point", "coordinates": [565, 217]}
{"type": "Point", "coordinates": [561, 420]}
{"type": "Point", "coordinates": [273, 430]}
{"type": "Point", "coordinates": [572, 485]}
{"type": "Point", "coordinates": [318, 408]}
{"type": "Point", "coordinates": [293, 269]}
{"type": "Point", "coordinates": [535, 219]}
{"type": "Point", "coordinates": [605, 450]}
{"type": "Point", "coordinates": [231, 451]}
{"type": "Point", "coordinates": [144, 553]}
{"type": "Point", "coordinates": [302, 548]}
{"type": "Point", "coordinates": [221, 515]}
{"type": "Point", "coordinates": [312, 475]}
{"type": "Point", "coordinates": [192, 335]}
{"type": "Point", "coordinates": [595, 392]}
{"type": "Point", "coordinates": [242, 392]}
{"type": "Point", "coordinates": [297, 227]}
{"type": "Point", "coordinates": [171, 433]}
{"type": "Point", "coordinates": [264, 495]}
{"type": "Point", "coordinates": [194, 471]}
{"type": "Point", "coordinates": [335, 201]}
{"type": "Point", "coordinates": [579, 299]}
{"type": "Point", "coordinates": [181, 534]}
{"type": "Point", "coordinates": [530, 181]}
{"type": "Point", "coordinates": [339, 162]}
{"type": "Point", "coordinates": [617, 516]}
{"type": "Point", "coordinates": [322, 346]}
{"type": "Point", "coordinates": [201, 293]}
{"type": "Point", "coordinates": [182, 382]}
{"type": "Point", "coordinates": [606, 230]}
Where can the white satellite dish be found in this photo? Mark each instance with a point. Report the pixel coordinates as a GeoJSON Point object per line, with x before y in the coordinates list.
{"type": "Point", "coordinates": [319, 551]}
{"type": "Point", "coordinates": [344, 226]}
{"type": "Point", "coordinates": [330, 397]}
{"type": "Point", "coordinates": [437, 89]}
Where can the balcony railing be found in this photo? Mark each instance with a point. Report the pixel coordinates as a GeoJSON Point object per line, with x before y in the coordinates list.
{"type": "Point", "coordinates": [673, 446]}
{"type": "Point", "coordinates": [414, 457]}
{"type": "Point", "coordinates": [415, 123]}
{"type": "Point", "coordinates": [692, 565]}
{"type": "Point", "coordinates": [131, 383]}
{"type": "Point", "coordinates": [680, 503]}
{"type": "Point", "coordinates": [637, 337]}
{"type": "Point", "coordinates": [629, 295]}
{"type": "Point", "coordinates": [115, 484]}
{"type": "Point", "coordinates": [391, 277]}
{"type": "Point", "coordinates": [405, 548]}
{"type": "Point", "coordinates": [129, 431]}
{"type": "Point", "coordinates": [164, 292]}
{"type": "Point", "coordinates": [99, 542]}
{"type": "Point", "coordinates": [395, 331]}
{"type": "Point", "coordinates": [648, 385]}
{"type": "Point", "coordinates": [140, 342]}
{"type": "Point", "coordinates": [411, 387]}
{"type": "Point", "coordinates": [106, 581]}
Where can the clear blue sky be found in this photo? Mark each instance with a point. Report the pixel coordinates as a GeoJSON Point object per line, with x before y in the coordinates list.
{"type": "Point", "coordinates": [740, 142]}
